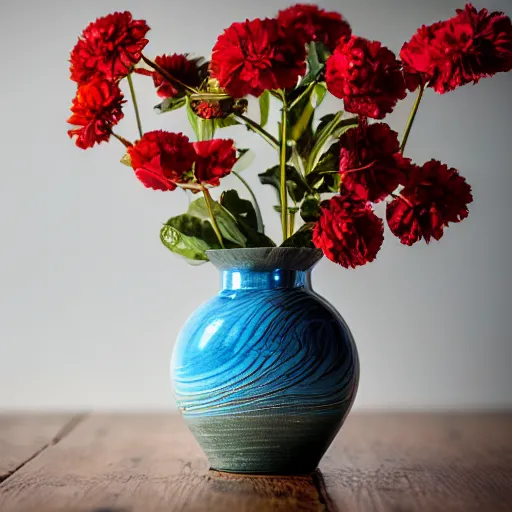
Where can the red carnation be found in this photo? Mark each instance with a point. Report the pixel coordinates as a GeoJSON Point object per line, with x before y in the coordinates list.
{"type": "Point", "coordinates": [180, 67]}
{"type": "Point", "coordinates": [80, 72]}
{"type": "Point", "coordinates": [161, 159]}
{"type": "Point", "coordinates": [209, 109]}
{"type": "Point", "coordinates": [108, 47]}
{"type": "Point", "coordinates": [434, 195]}
{"type": "Point", "coordinates": [371, 166]}
{"type": "Point", "coordinates": [97, 107]}
{"type": "Point", "coordinates": [256, 56]}
{"type": "Point", "coordinates": [348, 231]}
{"type": "Point", "coordinates": [215, 159]}
{"type": "Point", "coordinates": [418, 56]}
{"type": "Point", "coordinates": [366, 76]}
{"type": "Point", "coordinates": [314, 24]}
{"type": "Point", "coordinates": [470, 46]}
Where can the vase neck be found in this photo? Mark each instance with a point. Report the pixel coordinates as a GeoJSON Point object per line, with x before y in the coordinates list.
{"type": "Point", "coordinates": [264, 280]}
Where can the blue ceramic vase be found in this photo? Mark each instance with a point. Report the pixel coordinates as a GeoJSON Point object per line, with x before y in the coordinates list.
{"type": "Point", "coordinates": [266, 372]}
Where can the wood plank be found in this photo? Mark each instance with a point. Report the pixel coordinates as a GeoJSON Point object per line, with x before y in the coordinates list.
{"type": "Point", "coordinates": [379, 462]}
{"type": "Point", "coordinates": [143, 464]}
{"type": "Point", "coordinates": [22, 435]}
{"type": "Point", "coordinates": [421, 462]}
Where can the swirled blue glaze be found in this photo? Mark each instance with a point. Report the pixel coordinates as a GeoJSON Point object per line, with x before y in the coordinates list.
{"type": "Point", "coordinates": [265, 372]}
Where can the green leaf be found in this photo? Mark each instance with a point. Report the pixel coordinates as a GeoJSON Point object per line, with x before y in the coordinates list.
{"type": "Point", "coordinates": [243, 211]}
{"type": "Point", "coordinates": [203, 128]}
{"type": "Point", "coordinates": [302, 130]}
{"type": "Point", "coordinates": [239, 208]}
{"type": "Point", "coordinates": [295, 113]}
{"type": "Point", "coordinates": [331, 127]}
{"type": "Point", "coordinates": [344, 126]}
{"type": "Point", "coordinates": [170, 104]}
{"type": "Point", "coordinates": [224, 123]}
{"type": "Point", "coordinates": [324, 121]}
{"type": "Point", "coordinates": [325, 176]}
{"type": "Point", "coordinates": [316, 59]}
{"type": "Point", "coordinates": [316, 181]}
{"type": "Point", "coordinates": [296, 159]}
{"type": "Point", "coordinates": [310, 208]}
{"type": "Point", "coordinates": [126, 160]}
{"type": "Point", "coordinates": [189, 237]}
{"type": "Point", "coordinates": [193, 119]}
{"type": "Point", "coordinates": [291, 209]}
{"type": "Point", "coordinates": [300, 117]}
{"type": "Point", "coordinates": [327, 125]}
{"type": "Point", "coordinates": [330, 161]}
{"type": "Point", "coordinates": [297, 187]}
{"type": "Point", "coordinates": [245, 159]}
{"type": "Point", "coordinates": [264, 108]}
{"type": "Point", "coordinates": [257, 239]}
{"type": "Point", "coordinates": [206, 128]}
{"type": "Point", "coordinates": [295, 184]}
{"type": "Point", "coordinates": [318, 95]}
{"type": "Point", "coordinates": [324, 183]}
{"type": "Point", "coordinates": [272, 177]}
{"type": "Point", "coordinates": [227, 223]}
{"type": "Point", "coordinates": [301, 238]}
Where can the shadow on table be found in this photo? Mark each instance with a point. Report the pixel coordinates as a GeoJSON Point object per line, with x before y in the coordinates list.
{"type": "Point", "coordinates": [233, 492]}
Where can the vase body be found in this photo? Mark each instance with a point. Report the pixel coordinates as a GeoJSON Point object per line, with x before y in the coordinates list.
{"type": "Point", "coordinates": [265, 372]}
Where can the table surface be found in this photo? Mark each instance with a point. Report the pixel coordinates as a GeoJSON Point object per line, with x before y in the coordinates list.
{"type": "Point", "coordinates": [150, 462]}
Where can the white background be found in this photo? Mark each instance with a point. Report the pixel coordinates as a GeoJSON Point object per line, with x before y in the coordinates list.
{"type": "Point", "coordinates": [90, 302]}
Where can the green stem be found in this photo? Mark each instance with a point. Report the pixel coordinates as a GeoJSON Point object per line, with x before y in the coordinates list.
{"type": "Point", "coordinates": [255, 127]}
{"type": "Point", "coordinates": [208, 200]}
{"type": "Point", "coordinates": [259, 218]}
{"type": "Point", "coordinates": [412, 115]}
{"type": "Point", "coordinates": [292, 223]}
{"type": "Point", "coordinates": [307, 90]}
{"type": "Point", "coordinates": [125, 142]}
{"type": "Point", "coordinates": [282, 181]}
{"type": "Point", "coordinates": [135, 105]}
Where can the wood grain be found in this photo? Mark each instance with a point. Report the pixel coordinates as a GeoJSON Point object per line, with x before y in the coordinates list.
{"type": "Point", "coordinates": [143, 464]}
{"type": "Point", "coordinates": [379, 462]}
{"type": "Point", "coordinates": [24, 435]}
{"type": "Point", "coordinates": [421, 462]}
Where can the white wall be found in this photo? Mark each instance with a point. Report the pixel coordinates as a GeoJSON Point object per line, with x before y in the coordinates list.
{"type": "Point", "coordinates": [90, 302]}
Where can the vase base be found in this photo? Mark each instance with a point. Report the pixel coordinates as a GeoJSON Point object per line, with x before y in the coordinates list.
{"type": "Point", "coordinates": [261, 474]}
{"type": "Point", "coordinates": [266, 444]}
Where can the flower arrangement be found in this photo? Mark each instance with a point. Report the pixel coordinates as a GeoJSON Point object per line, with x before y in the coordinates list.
{"type": "Point", "coordinates": [328, 171]}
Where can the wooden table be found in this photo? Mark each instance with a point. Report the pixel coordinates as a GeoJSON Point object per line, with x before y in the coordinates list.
{"type": "Point", "coordinates": [149, 463]}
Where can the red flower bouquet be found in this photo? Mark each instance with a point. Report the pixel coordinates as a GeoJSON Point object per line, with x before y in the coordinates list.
{"type": "Point", "coordinates": [328, 171]}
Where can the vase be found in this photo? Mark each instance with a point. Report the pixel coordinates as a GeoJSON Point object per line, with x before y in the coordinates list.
{"type": "Point", "coordinates": [266, 372]}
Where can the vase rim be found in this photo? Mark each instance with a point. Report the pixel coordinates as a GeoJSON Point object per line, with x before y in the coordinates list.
{"type": "Point", "coordinates": [265, 258]}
